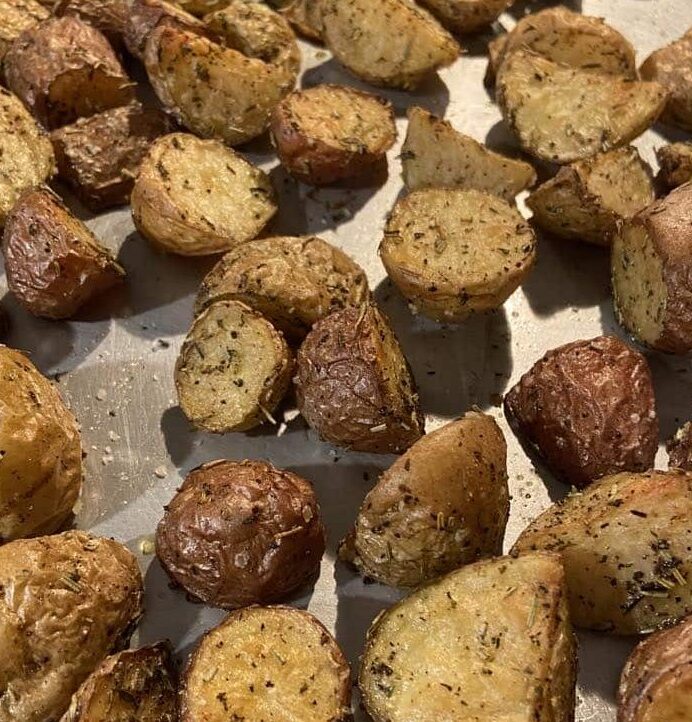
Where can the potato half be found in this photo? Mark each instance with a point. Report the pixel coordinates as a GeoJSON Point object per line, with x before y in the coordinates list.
{"type": "Point", "coordinates": [466, 16]}
{"type": "Point", "coordinates": [679, 448]}
{"type": "Point", "coordinates": [675, 161]}
{"type": "Point", "coordinates": [15, 17]}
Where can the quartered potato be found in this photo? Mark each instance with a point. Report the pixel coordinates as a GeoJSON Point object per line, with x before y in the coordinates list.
{"type": "Point", "coordinates": [434, 154]}
{"type": "Point", "coordinates": [304, 15]}
{"type": "Point", "coordinates": [675, 161]}
{"type": "Point", "coordinates": [587, 199]}
{"type": "Point", "coordinates": [331, 132]}
{"type": "Point", "coordinates": [562, 114]}
{"type": "Point", "coordinates": [442, 504]}
{"type": "Point", "coordinates": [15, 17]}
{"type": "Point", "coordinates": [196, 197]}
{"type": "Point", "coordinates": [267, 663]}
{"type": "Point", "coordinates": [391, 43]}
{"type": "Point", "coordinates": [679, 448]}
{"type": "Point", "coordinates": [624, 542]}
{"type": "Point", "coordinates": [652, 273]}
{"type": "Point", "coordinates": [466, 16]}
{"type": "Point", "coordinates": [233, 369]}
{"type": "Point", "coordinates": [108, 16]}
{"type": "Point", "coordinates": [293, 282]}
{"type": "Point", "coordinates": [491, 641]}
{"type": "Point", "coordinates": [455, 252]}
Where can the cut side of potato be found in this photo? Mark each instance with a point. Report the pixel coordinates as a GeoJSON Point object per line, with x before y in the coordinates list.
{"type": "Point", "coordinates": [454, 252]}
{"type": "Point", "coordinates": [15, 17]}
{"type": "Point", "coordinates": [491, 641]}
{"type": "Point", "coordinates": [675, 161]}
{"type": "Point", "coordinates": [466, 16]}
{"type": "Point", "coordinates": [562, 114]}
{"type": "Point", "coordinates": [679, 448]}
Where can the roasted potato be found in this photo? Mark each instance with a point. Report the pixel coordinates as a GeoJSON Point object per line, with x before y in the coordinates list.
{"type": "Point", "coordinates": [355, 387]}
{"type": "Point", "coordinates": [495, 48]}
{"type": "Point", "coordinates": [587, 199]}
{"type": "Point", "coordinates": [330, 132]}
{"type": "Point", "coordinates": [108, 16]}
{"type": "Point", "coordinates": [304, 15]}
{"type": "Point", "coordinates": [436, 155]}
{"type": "Point", "coordinates": [442, 504]}
{"type": "Point", "coordinates": [69, 600]}
{"type": "Point", "coordinates": [562, 114]}
{"type": "Point", "coordinates": [195, 197]}
{"type": "Point", "coordinates": [293, 282]}
{"type": "Point", "coordinates": [54, 264]}
{"type": "Point", "coordinates": [201, 8]}
{"type": "Point", "coordinates": [63, 69]}
{"type": "Point", "coordinates": [392, 43]}
{"type": "Point", "coordinates": [233, 369]}
{"type": "Point", "coordinates": [491, 641]}
{"type": "Point", "coordinates": [466, 16]}
{"type": "Point", "coordinates": [651, 267]}
{"type": "Point", "coordinates": [133, 685]}
{"type": "Point", "coordinates": [680, 448]}
{"type": "Point", "coordinates": [240, 533]}
{"type": "Point", "coordinates": [588, 409]}
{"type": "Point", "coordinates": [675, 161]}
{"type": "Point", "coordinates": [15, 17]}
{"type": "Point", "coordinates": [454, 252]}
{"type": "Point", "coordinates": [267, 663]}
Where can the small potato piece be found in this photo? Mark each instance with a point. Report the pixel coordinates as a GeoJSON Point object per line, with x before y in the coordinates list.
{"type": "Point", "coordinates": [108, 16]}
{"type": "Point", "coordinates": [240, 533]}
{"type": "Point", "coordinates": [624, 542]}
{"type": "Point", "coordinates": [651, 268]}
{"type": "Point", "coordinates": [441, 505]}
{"type": "Point", "coordinates": [63, 69]}
{"type": "Point", "coordinates": [436, 155]}
{"type": "Point", "coordinates": [587, 199]}
{"type": "Point", "coordinates": [679, 448]}
{"type": "Point", "coordinates": [70, 600]}
{"type": "Point", "coordinates": [491, 641]}
{"type": "Point", "coordinates": [391, 43]}
{"type": "Point", "coordinates": [293, 282]}
{"type": "Point", "coordinates": [197, 197]}
{"type": "Point", "coordinates": [675, 161]}
{"type": "Point", "coordinates": [330, 132]}
{"type": "Point", "coordinates": [267, 663]}
{"type": "Point", "coordinates": [455, 252]}
{"type": "Point", "coordinates": [354, 386]}
{"type": "Point", "coordinates": [588, 408]}
{"type": "Point", "coordinates": [562, 114]}
{"type": "Point", "coordinates": [304, 15]}
{"type": "Point", "coordinates": [136, 684]}
{"type": "Point", "coordinates": [54, 263]}
{"type": "Point", "coordinates": [233, 369]}
{"type": "Point", "coordinates": [466, 16]}
{"type": "Point", "coordinates": [15, 17]}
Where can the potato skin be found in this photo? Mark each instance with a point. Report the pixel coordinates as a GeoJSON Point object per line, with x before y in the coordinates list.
{"type": "Point", "coordinates": [588, 408]}
{"type": "Point", "coordinates": [466, 16]}
{"type": "Point", "coordinates": [240, 533]}
{"type": "Point", "coordinates": [675, 161]}
{"type": "Point", "coordinates": [679, 448]}
{"type": "Point", "coordinates": [108, 16]}
{"type": "Point", "coordinates": [16, 16]}
{"type": "Point", "coordinates": [304, 15]}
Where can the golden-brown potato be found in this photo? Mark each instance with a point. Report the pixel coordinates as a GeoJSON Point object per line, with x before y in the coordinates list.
{"type": "Point", "coordinates": [330, 132]}
{"type": "Point", "coordinates": [491, 641]}
{"type": "Point", "coordinates": [466, 16]}
{"type": "Point", "coordinates": [53, 262]}
{"type": "Point", "coordinates": [108, 16]}
{"type": "Point", "coordinates": [454, 252]}
{"type": "Point", "coordinates": [63, 69]}
{"type": "Point", "coordinates": [442, 504]}
{"type": "Point", "coordinates": [267, 663]}
{"type": "Point", "coordinates": [436, 155]}
{"type": "Point", "coordinates": [201, 8]}
{"type": "Point", "coordinates": [587, 199]}
{"type": "Point", "coordinates": [624, 542]}
{"type": "Point", "coordinates": [293, 282]}
{"type": "Point", "coordinates": [651, 268]}
{"type": "Point", "coordinates": [304, 15]}
{"type": "Point", "coordinates": [15, 17]}
{"type": "Point", "coordinates": [233, 369]}
{"type": "Point", "coordinates": [392, 43]}
{"type": "Point", "coordinates": [562, 114]}
{"type": "Point", "coordinates": [133, 685]}
{"type": "Point", "coordinates": [240, 533]}
{"type": "Point", "coordinates": [679, 448]}
{"type": "Point", "coordinates": [675, 161]}
{"type": "Point", "coordinates": [69, 600]}
{"type": "Point", "coordinates": [41, 470]}
{"type": "Point", "coordinates": [197, 197]}
{"type": "Point", "coordinates": [496, 47]}
{"type": "Point", "coordinates": [354, 386]}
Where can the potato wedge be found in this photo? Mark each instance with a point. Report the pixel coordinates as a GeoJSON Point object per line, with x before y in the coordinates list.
{"type": "Point", "coordinates": [15, 17]}
{"type": "Point", "coordinates": [587, 199]}
{"type": "Point", "coordinates": [466, 16]}
{"type": "Point", "coordinates": [675, 161]}
{"type": "Point", "coordinates": [108, 16]}
{"type": "Point", "coordinates": [491, 641]}
{"type": "Point", "coordinates": [562, 114]}
{"type": "Point", "coordinates": [651, 270]}
{"type": "Point", "coordinates": [454, 252]}
{"type": "Point", "coordinates": [436, 155]}
{"type": "Point", "coordinates": [293, 282]}
{"type": "Point", "coordinates": [196, 197]}
{"type": "Point", "coordinates": [392, 43]}
{"type": "Point", "coordinates": [679, 448]}
{"type": "Point", "coordinates": [267, 663]}
{"type": "Point", "coordinates": [304, 15]}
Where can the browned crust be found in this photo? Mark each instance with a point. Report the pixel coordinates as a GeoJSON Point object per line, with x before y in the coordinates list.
{"type": "Point", "coordinates": [108, 16]}
{"type": "Point", "coordinates": [679, 448]}
{"type": "Point", "coordinates": [675, 161]}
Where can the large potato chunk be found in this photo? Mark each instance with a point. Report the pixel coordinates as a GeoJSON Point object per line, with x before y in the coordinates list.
{"type": "Point", "coordinates": [625, 544]}
{"type": "Point", "coordinates": [680, 448]}
{"type": "Point", "coordinates": [15, 17]}
{"type": "Point", "coordinates": [69, 600]}
{"type": "Point", "coordinates": [108, 16]}
{"type": "Point", "coordinates": [391, 43]}
{"type": "Point", "coordinates": [466, 16]}
{"type": "Point", "coordinates": [652, 273]}
{"type": "Point", "coordinates": [441, 505]}
{"type": "Point", "coordinates": [491, 641]}
{"type": "Point", "coordinates": [675, 161]}
{"type": "Point", "coordinates": [562, 114]}
{"type": "Point", "coordinates": [455, 252]}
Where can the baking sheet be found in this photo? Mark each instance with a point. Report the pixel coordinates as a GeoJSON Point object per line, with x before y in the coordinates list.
{"type": "Point", "coordinates": [115, 364]}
